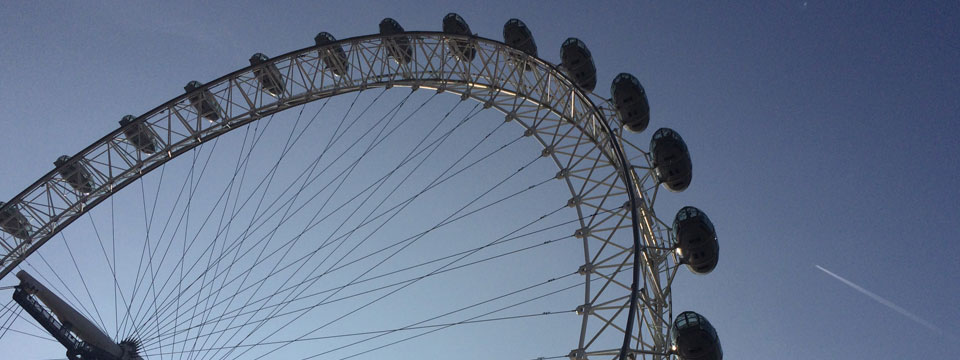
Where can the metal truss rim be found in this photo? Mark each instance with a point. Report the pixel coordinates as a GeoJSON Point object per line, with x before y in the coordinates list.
{"type": "Point", "coordinates": [619, 160]}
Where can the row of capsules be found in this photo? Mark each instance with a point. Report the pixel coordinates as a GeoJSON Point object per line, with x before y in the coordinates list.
{"type": "Point", "coordinates": [696, 240]}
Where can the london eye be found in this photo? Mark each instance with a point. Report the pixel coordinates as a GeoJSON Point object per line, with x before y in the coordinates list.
{"type": "Point", "coordinates": [461, 184]}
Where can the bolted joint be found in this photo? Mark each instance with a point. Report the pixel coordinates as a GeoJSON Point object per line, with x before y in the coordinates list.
{"type": "Point", "coordinates": [488, 104]}
{"type": "Point", "coordinates": [585, 269]}
{"type": "Point", "coordinates": [577, 354]}
{"type": "Point", "coordinates": [581, 233]}
{"type": "Point", "coordinates": [547, 151]}
{"type": "Point", "coordinates": [510, 116]}
{"type": "Point", "coordinates": [575, 201]}
{"type": "Point", "coordinates": [585, 309]}
{"type": "Point", "coordinates": [563, 174]}
{"type": "Point", "coordinates": [528, 132]}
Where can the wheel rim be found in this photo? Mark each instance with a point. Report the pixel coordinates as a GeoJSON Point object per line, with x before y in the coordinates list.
{"type": "Point", "coordinates": [563, 119]}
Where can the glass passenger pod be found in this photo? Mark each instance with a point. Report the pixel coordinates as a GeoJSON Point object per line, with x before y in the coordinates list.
{"type": "Point", "coordinates": [203, 101]}
{"type": "Point", "coordinates": [463, 50]}
{"type": "Point", "coordinates": [75, 174]}
{"type": "Point", "coordinates": [631, 102]}
{"type": "Point", "coordinates": [517, 35]}
{"type": "Point", "coordinates": [267, 74]}
{"type": "Point", "coordinates": [397, 46]}
{"type": "Point", "coordinates": [14, 223]}
{"type": "Point", "coordinates": [696, 240]}
{"type": "Point", "coordinates": [139, 134]}
{"type": "Point", "coordinates": [578, 62]}
{"type": "Point", "coordinates": [694, 338]}
{"type": "Point", "coordinates": [671, 160]}
{"type": "Point", "coordinates": [334, 58]}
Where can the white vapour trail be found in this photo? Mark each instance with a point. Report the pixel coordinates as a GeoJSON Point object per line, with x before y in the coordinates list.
{"type": "Point", "coordinates": [883, 301]}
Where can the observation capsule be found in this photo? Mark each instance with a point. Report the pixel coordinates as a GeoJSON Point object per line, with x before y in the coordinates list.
{"type": "Point", "coordinates": [671, 160]}
{"type": "Point", "coordinates": [203, 101]}
{"type": "Point", "coordinates": [139, 134]}
{"type": "Point", "coordinates": [75, 174]}
{"type": "Point", "coordinates": [14, 223]}
{"type": "Point", "coordinates": [463, 50]}
{"type": "Point", "coordinates": [696, 240]}
{"type": "Point", "coordinates": [631, 102]}
{"type": "Point", "coordinates": [578, 62]}
{"type": "Point", "coordinates": [694, 338]}
{"type": "Point", "coordinates": [267, 74]}
{"type": "Point", "coordinates": [517, 35]}
{"type": "Point", "coordinates": [397, 46]}
{"type": "Point", "coordinates": [334, 58]}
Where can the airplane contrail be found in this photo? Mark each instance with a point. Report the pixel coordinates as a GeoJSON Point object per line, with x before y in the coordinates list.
{"type": "Point", "coordinates": [883, 301]}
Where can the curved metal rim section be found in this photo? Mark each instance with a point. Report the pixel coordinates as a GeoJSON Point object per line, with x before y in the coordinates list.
{"type": "Point", "coordinates": [583, 115]}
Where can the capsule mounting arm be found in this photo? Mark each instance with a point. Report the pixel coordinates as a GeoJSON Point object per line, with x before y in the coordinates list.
{"type": "Point", "coordinates": [66, 324]}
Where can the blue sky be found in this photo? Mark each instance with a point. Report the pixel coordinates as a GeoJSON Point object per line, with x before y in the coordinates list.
{"type": "Point", "coordinates": [822, 133]}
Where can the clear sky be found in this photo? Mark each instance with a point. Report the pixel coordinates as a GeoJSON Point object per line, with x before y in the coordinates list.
{"type": "Point", "coordinates": [823, 136]}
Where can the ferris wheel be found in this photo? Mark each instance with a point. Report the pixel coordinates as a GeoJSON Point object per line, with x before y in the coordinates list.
{"type": "Point", "coordinates": [345, 198]}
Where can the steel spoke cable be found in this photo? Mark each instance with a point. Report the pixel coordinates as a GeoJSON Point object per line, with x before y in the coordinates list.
{"type": "Point", "coordinates": [195, 263]}
{"type": "Point", "coordinates": [475, 319]}
{"type": "Point", "coordinates": [271, 236]}
{"type": "Point", "coordinates": [446, 326]}
{"type": "Point", "coordinates": [387, 258]}
{"type": "Point", "coordinates": [52, 286]}
{"type": "Point", "coordinates": [170, 303]}
{"type": "Point", "coordinates": [378, 138]}
{"type": "Point", "coordinates": [110, 265]}
{"type": "Point", "coordinates": [106, 258]}
{"type": "Point", "coordinates": [226, 276]}
{"type": "Point", "coordinates": [116, 282]}
{"type": "Point", "coordinates": [374, 332]}
{"type": "Point", "coordinates": [183, 217]}
{"type": "Point", "coordinates": [6, 308]}
{"type": "Point", "coordinates": [405, 281]}
{"type": "Point", "coordinates": [290, 141]}
{"type": "Point", "coordinates": [480, 159]}
{"type": "Point", "coordinates": [10, 307]}
{"type": "Point", "coordinates": [5, 329]}
{"type": "Point", "coordinates": [86, 288]}
{"type": "Point", "coordinates": [9, 321]}
{"type": "Point", "coordinates": [378, 184]}
{"type": "Point", "coordinates": [193, 179]}
{"type": "Point", "coordinates": [505, 240]}
{"type": "Point", "coordinates": [223, 228]}
{"type": "Point", "coordinates": [242, 162]}
{"type": "Point", "coordinates": [192, 267]}
{"type": "Point", "coordinates": [502, 240]}
{"type": "Point", "coordinates": [287, 146]}
{"type": "Point", "coordinates": [221, 247]}
{"type": "Point", "coordinates": [402, 282]}
{"type": "Point", "coordinates": [371, 234]}
{"type": "Point", "coordinates": [148, 222]}
{"type": "Point", "coordinates": [225, 199]}
{"type": "Point", "coordinates": [15, 313]}
{"type": "Point", "coordinates": [184, 221]}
